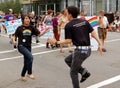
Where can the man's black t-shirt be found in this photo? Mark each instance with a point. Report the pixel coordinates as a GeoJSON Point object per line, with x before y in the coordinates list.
{"type": "Point", "coordinates": [24, 34]}
{"type": "Point", "coordinates": [78, 30]}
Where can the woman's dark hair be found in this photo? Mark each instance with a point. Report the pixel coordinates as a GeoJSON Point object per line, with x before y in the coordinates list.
{"type": "Point", "coordinates": [23, 17]}
{"type": "Point", "coordinates": [49, 11]}
{"type": "Point", "coordinates": [74, 11]}
{"type": "Point", "coordinates": [63, 11]}
{"type": "Point", "coordinates": [16, 15]}
{"type": "Point", "coordinates": [58, 13]}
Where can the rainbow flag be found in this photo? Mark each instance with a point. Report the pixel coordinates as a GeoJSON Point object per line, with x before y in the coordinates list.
{"type": "Point", "coordinates": [93, 21]}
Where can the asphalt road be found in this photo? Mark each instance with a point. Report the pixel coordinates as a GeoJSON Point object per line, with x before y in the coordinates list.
{"type": "Point", "coordinates": [52, 72]}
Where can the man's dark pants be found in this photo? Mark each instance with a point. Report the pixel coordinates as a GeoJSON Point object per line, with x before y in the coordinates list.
{"type": "Point", "coordinates": [74, 61]}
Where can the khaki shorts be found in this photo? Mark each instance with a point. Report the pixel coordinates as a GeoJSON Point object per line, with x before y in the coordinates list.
{"type": "Point", "coordinates": [102, 32]}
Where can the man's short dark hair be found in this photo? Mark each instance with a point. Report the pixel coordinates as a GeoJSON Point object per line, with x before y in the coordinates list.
{"type": "Point", "coordinates": [74, 11]}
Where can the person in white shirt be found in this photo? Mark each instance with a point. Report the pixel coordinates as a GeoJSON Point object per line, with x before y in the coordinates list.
{"type": "Point", "coordinates": [102, 29]}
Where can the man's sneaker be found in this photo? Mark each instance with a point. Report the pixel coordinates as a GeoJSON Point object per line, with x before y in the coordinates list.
{"type": "Point", "coordinates": [85, 76]}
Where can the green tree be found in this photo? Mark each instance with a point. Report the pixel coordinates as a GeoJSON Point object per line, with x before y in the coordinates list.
{"type": "Point", "coordinates": [11, 4]}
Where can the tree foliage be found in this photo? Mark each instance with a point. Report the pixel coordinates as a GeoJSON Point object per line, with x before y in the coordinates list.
{"type": "Point", "coordinates": [11, 4]}
{"type": "Point", "coordinates": [48, 1]}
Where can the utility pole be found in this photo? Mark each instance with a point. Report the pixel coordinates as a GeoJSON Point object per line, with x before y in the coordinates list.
{"type": "Point", "coordinates": [108, 5]}
{"type": "Point", "coordinates": [30, 5]}
{"type": "Point", "coordinates": [116, 5]}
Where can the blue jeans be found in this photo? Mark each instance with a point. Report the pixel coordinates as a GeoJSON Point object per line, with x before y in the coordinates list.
{"type": "Point", "coordinates": [74, 61]}
{"type": "Point", "coordinates": [28, 59]}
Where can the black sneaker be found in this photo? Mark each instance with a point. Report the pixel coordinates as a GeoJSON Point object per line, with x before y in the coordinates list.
{"type": "Point", "coordinates": [37, 41]}
{"type": "Point", "coordinates": [15, 46]}
{"type": "Point", "coordinates": [52, 46]}
{"type": "Point", "coordinates": [85, 76]}
{"type": "Point", "coordinates": [47, 45]}
{"type": "Point", "coordinates": [57, 45]}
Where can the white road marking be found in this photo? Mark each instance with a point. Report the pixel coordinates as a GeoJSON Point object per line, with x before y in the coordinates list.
{"type": "Point", "coordinates": [112, 40]}
{"type": "Point", "coordinates": [7, 51]}
{"type": "Point", "coordinates": [50, 51]}
{"type": "Point", "coordinates": [41, 45]}
{"type": "Point", "coordinates": [106, 82]}
{"type": "Point", "coordinates": [5, 35]}
{"type": "Point", "coordinates": [11, 58]}
{"type": "Point", "coordinates": [33, 47]}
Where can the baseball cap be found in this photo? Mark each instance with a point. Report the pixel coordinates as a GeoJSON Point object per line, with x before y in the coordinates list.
{"type": "Point", "coordinates": [10, 10]}
{"type": "Point", "coordinates": [32, 12]}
